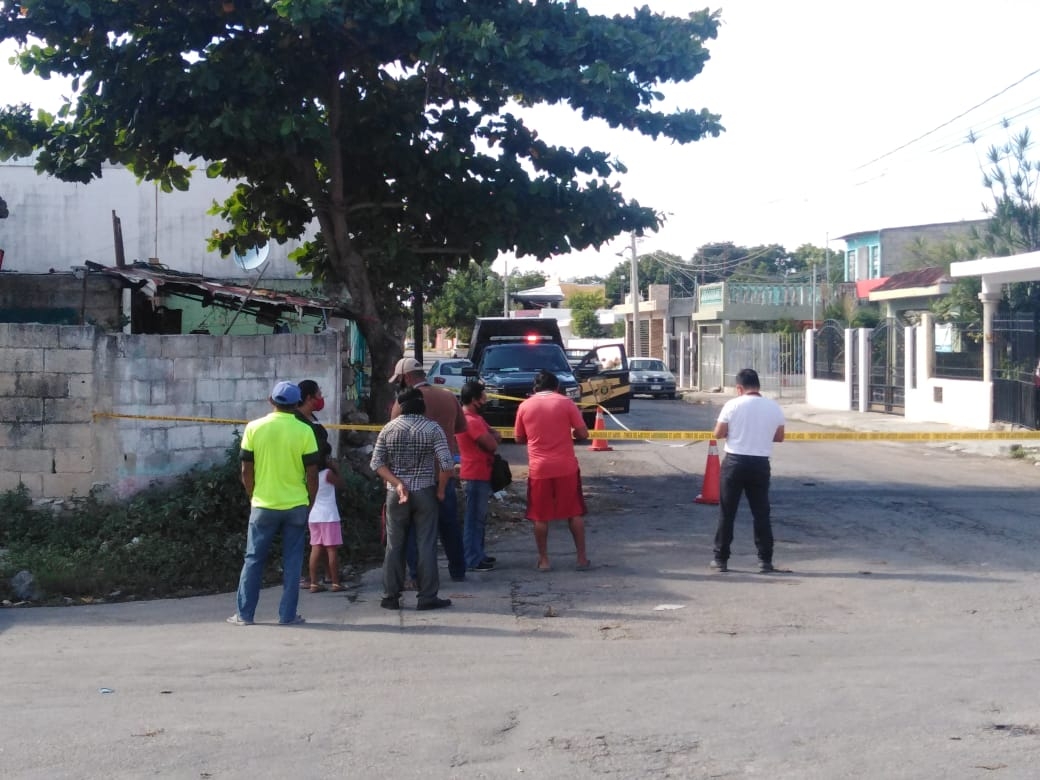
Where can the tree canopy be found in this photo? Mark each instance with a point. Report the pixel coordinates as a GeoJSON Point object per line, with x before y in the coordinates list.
{"type": "Point", "coordinates": [584, 308]}
{"type": "Point", "coordinates": [1012, 180]}
{"type": "Point", "coordinates": [470, 292]}
{"type": "Point", "coordinates": [652, 268]}
{"type": "Point", "coordinates": [397, 126]}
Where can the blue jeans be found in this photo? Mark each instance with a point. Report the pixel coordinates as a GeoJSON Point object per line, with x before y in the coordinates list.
{"type": "Point", "coordinates": [264, 525]}
{"type": "Point", "coordinates": [451, 536]}
{"type": "Point", "coordinates": [478, 493]}
{"type": "Point", "coordinates": [415, 519]}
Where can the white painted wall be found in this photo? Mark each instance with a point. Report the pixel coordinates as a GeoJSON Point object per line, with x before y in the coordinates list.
{"type": "Point", "coordinates": [962, 403]}
{"type": "Point", "coordinates": [826, 393]}
{"type": "Point", "coordinates": [965, 403]}
{"type": "Point", "coordinates": [55, 224]}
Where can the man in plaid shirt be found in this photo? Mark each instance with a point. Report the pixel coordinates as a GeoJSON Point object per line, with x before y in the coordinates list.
{"type": "Point", "coordinates": [412, 455]}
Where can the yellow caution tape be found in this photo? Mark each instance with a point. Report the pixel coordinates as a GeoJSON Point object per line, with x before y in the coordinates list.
{"type": "Point", "coordinates": [627, 435]}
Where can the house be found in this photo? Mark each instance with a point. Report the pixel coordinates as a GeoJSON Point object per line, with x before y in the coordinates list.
{"type": "Point", "coordinates": [876, 254]}
{"type": "Point", "coordinates": [60, 237]}
{"type": "Point", "coordinates": [553, 293]}
{"type": "Point", "coordinates": [54, 225]}
{"type": "Point", "coordinates": [546, 301]}
{"type": "Point", "coordinates": [910, 290]}
{"type": "Point", "coordinates": [689, 334]}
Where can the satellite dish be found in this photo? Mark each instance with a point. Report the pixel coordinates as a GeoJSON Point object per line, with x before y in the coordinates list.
{"type": "Point", "coordinates": [252, 258]}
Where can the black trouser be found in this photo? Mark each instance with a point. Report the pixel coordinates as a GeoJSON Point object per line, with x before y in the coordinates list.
{"type": "Point", "coordinates": [744, 474]}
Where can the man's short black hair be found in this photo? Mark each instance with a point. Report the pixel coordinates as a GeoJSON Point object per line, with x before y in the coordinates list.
{"type": "Point", "coordinates": [471, 391]}
{"type": "Point", "coordinates": [546, 380]}
{"type": "Point", "coordinates": [411, 401]}
{"type": "Point", "coordinates": [748, 379]}
{"type": "Point", "coordinates": [308, 388]}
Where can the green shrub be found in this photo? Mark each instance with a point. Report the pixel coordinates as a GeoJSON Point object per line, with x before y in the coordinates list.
{"type": "Point", "coordinates": [181, 538]}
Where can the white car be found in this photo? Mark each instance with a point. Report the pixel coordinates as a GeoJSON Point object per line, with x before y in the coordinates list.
{"type": "Point", "coordinates": [448, 373]}
{"type": "Point", "coordinates": [650, 376]}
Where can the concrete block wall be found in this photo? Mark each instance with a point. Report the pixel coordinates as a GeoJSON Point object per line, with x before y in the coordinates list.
{"type": "Point", "coordinates": [47, 393]}
{"type": "Point", "coordinates": [73, 401]}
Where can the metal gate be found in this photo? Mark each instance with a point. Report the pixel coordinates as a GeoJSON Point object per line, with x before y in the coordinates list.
{"type": "Point", "coordinates": [1016, 344]}
{"type": "Point", "coordinates": [710, 357]}
{"type": "Point", "coordinates": [887, 350]}
{"type": "Point", "coordinates": [777, 357]}
{"type": "Point", "coordinates": [1016, 403]}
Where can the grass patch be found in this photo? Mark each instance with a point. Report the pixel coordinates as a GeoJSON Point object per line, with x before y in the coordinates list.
{"type": "Point", "coordinates": [183, 538]}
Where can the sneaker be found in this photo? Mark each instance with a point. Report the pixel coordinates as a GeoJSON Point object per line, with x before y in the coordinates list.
{"type": "Point", "coordinates": [434, 603]}
{"type": "Point", "coordinates": [295, 621]}
{"type": "Point", "coordinates": [391, 603]}
{"type": "Point", "coordinates": [490, 559]}
{"type": "Point", "coordinates": [765, 567]}
{"type": "Point", "coordinates": [718, 565]}
{"type": "Point", "coordinates": [236, 620]}
{"type": "Point", "coordinates": [482, 566]}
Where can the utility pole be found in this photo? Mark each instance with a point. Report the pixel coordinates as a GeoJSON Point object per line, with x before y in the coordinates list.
{"type": "Point", "coordinates": [417, 321]}
{"type": "Point", "coordinates": [505, 290]}
{"type": "Point", "coordinates": [814, 296]}
{"type": "Point", "coordinates": [635, 300]}
{"type": "Point", "coordinates": [827, 256]}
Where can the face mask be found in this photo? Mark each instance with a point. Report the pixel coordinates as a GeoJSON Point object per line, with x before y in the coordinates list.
{"type": "Point", "coordinates": [318, 405]}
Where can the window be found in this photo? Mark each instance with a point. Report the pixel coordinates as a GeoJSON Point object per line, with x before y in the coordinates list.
{"type": "Point", "coordinates": [850, 265]}
{"type": "Point", "coordinates": [875, 262]}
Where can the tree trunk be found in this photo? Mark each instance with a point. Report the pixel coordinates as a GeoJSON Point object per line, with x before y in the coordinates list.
{"type": "Point", "coordinates": [382, 326]}
{"type": "Point", "coordinates": [378, 312]}
{"type": "Point", "coordinates": [385, 350]}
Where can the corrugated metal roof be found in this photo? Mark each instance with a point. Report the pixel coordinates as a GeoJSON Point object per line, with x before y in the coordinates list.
{"type": "Point", "coordinates": [154, 280]}
{"type": "Point", "coordinates": [920, 277]}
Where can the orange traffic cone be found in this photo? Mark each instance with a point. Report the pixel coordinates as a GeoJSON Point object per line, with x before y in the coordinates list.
{"type": "Point", "coordinates": [600, 445]}
{"type": "Point", "coordinates": [710, 489]}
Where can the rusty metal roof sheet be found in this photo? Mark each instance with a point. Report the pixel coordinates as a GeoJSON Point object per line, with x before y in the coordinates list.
{"type": "Point", "coordinates": [920, 277]}
{"type": "Point", "coordinates": [157, 280]}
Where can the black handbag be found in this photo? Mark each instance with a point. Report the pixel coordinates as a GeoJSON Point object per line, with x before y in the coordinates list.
{"type": "Point", "coordinates": [501, 475]}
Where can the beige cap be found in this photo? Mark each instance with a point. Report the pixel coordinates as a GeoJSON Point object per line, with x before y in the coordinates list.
{"type": "Point", "coordinates": [405, 366]}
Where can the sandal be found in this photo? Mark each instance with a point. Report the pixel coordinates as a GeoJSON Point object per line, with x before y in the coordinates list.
{"type": "Point", "coordinates": [336, 587]}
{"type": "Point", "coordinates": [318, 588]}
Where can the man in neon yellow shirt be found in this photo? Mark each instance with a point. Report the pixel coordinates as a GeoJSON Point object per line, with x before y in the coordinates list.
{"type": "Point", "coordinates": [280, 459]}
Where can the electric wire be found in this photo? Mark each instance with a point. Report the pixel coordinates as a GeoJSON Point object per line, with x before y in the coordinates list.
{"type": "Point", "coordinates": [948, 122]}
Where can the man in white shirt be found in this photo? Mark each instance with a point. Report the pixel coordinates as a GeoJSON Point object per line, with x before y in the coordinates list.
{"type": "Point", "coordinates": [750, 424]}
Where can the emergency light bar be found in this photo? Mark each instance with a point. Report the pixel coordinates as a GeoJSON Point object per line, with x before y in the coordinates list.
{"type": "Point", "coordinates": [530, 338]}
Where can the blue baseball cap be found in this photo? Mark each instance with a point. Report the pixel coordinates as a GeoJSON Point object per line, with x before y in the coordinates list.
{"type": "Point", "coordinates": [286, 394]}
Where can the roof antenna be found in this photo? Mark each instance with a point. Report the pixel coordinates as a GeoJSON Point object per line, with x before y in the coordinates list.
{"type": "Point", "coordinates": [250, 260]}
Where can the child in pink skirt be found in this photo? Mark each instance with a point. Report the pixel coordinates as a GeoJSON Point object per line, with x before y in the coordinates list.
{"type": "Point", "coordinates": [325, 531]}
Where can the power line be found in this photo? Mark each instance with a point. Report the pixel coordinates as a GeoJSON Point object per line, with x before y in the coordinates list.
{"type": "Point", "coordinates": [949, 122]}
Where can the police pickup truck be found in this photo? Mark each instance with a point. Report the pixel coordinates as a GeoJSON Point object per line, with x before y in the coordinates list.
{"type": "Point", "coordinates": [507, 354]}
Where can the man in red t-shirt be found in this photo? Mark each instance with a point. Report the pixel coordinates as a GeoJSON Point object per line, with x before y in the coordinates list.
{"type": "Point", "coordinates": [549, 423]}
{"type": "Point", "coordinates": [477, 445]}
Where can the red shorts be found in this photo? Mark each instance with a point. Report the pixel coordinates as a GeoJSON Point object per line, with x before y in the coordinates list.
{"type": "Point", "coordinates": [326, 534]}
{"type": "Point", "coordinates": [555, 498]}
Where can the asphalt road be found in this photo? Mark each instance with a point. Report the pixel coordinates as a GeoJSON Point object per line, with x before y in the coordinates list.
{"type": "Point", "coordinates": [901, 643]}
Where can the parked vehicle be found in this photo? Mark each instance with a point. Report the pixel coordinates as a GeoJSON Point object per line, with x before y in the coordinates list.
{"type": "Point", "coordinates": [507, 353]}
{"type": "Point", "coordinates": [448, 372]}
{"type": "Point", "coordinates": [650, 376]}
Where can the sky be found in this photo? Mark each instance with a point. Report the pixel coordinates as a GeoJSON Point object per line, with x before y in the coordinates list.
{"type": "Point", "coordinates": [840, 117]}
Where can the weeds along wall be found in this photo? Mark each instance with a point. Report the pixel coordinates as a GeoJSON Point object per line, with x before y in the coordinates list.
{"type": "Point", "coordinates": [60, 381]}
